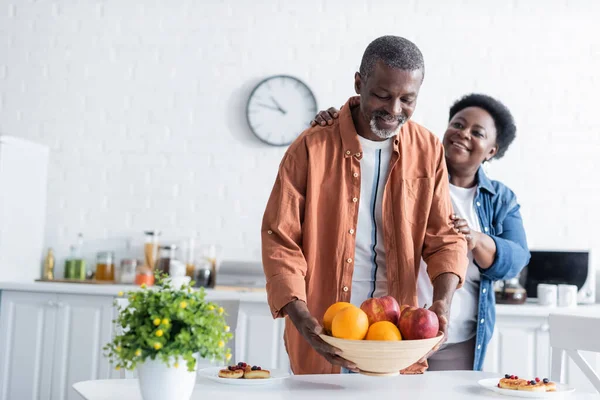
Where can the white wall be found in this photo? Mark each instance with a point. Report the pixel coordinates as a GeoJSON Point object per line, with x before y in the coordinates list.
{"type": "Point", "coordinates": [142, 103]}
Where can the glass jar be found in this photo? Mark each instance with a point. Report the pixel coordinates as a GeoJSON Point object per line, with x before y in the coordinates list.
{"type": "Point", "coordinates": [151, 247]}
{"type": "Point", "coordinates": [144, 275]}
{"type": "Point", "coordinates": [510, 292]}
{"type": "Point", "coordinates": [105, 266]}
{"type": "Point", "coordinates": [203, 274]}
{"type": "Point", "coordinates": [127, 272]}
{"type": "Point", "coordinates": [166, 253]}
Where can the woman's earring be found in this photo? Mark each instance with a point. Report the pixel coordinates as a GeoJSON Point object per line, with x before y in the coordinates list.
{"type": "Point", "coordinates": [486, 167]}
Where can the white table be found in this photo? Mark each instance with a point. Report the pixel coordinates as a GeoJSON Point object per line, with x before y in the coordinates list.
{"type": "Point", "coordinates": [447, 385]}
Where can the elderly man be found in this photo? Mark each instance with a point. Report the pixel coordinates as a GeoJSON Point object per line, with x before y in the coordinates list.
{"type": "Point", "coordinates": [355, 206]}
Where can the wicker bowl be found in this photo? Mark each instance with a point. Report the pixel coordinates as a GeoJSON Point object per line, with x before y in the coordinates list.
{"type": "Point", "coordinates": [379, 357]}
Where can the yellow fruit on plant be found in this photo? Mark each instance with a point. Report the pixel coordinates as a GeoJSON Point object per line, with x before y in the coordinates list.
{"type": "Point", "coordinates": [383, 330]}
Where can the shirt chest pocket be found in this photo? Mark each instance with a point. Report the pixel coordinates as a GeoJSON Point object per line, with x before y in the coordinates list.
{"type": "Point", "coordinates": [416, 201]}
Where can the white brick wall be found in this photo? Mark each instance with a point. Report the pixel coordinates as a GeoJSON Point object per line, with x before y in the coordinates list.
{"type": "Point", "coordinates": [142, 103]}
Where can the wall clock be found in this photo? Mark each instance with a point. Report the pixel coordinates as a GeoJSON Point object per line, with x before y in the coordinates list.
{"type": "Point", "coordinates": [279, 109]}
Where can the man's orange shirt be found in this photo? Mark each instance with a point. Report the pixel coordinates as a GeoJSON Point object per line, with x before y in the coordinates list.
{"type": "Point", "coordinates": [308, 226]}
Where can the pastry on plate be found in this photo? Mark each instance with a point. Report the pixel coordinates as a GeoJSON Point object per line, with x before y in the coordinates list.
{"type": "Point", "coordinates": [533, 386]}
{"type": "Point", "coordinates": [244, 371]}
{"type": "Point", "coordinates": [550, 386]}
{"type": "Point", "coordinates": [231, 373]}
{"type": "Point", "coordinates": [511, 382]}
{"type": "Point", "coordinates": [257, 373]}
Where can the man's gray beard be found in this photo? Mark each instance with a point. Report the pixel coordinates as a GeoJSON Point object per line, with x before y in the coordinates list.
{"type": "Point", "coordinates": [382, 133]}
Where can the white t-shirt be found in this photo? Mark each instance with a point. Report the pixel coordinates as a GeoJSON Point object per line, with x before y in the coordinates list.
{"type": "Point", "coordinates": [463, 312]}
{"type": "Point", "coordinates": [369, 278]}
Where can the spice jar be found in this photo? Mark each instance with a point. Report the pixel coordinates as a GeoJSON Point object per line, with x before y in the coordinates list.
{"type": "Point", "coordinates": [144, 275]}
{"type": "Point", "coordinates": [510, 292]}
{"type": "Point", "coordinates": [127, 272]}
{"type": "Point", "coordinates": [166, 254]}
{"type": "Point", "coordinates": [105, 266]}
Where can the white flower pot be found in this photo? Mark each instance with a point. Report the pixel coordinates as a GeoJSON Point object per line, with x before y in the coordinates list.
{"type": "Point", "coordinates": [159, 382]}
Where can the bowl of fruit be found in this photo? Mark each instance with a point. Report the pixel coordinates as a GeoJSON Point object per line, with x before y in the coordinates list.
{"type": "Point", "coordinates": [381, 337]}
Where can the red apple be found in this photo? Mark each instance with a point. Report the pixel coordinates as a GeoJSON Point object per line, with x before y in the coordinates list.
{"type": "Point", "coordinates": [418, 323]}
{"type": "Point", "coordinates": [383, 308]}
{"type": "Point", "coordinates": [404, 307]}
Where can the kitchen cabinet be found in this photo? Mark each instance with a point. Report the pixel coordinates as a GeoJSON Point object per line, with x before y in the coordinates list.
{"type": "Point", "coordinates": [259, 338]}
{"type": "Point", "coordinates": [50, 341]}
{"type": "Point", "coordinates": [520, 345]}
{"type": "Point", "coordinates": [52, 334]}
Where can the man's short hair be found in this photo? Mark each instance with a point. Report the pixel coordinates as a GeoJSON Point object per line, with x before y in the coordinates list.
{"type": "Point", "coordinates": [393, 51]}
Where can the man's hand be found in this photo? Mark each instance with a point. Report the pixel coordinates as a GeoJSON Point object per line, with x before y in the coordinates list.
{"type": "Point", "coordinates": [442, 310]}
{"type": "Point", "coordinates": [310, 329]}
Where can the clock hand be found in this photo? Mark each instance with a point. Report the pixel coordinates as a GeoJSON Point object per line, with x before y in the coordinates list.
{"type": "Point", "coordinates": [268, 106]}
{"type": "Point", "coordinates": [278, 106]}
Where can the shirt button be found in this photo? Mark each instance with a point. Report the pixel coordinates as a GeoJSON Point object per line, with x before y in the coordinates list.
{"type": "Point", "coordinates": [478, 204]}
{"type": "Point", "coordinates": [357, 154]}
{"type": "Point", "coordinates": [355, 199]}
{"type": "Point", "coordinates": [351, 231]}
{"type": "Point", "coordinates": [355, 174]}
{"type": "Point", "coordinates": [486, 229]}
{"type": "Point", "coordinates": [345, 288]}
{"type": "Point", "coordinates": [349, 260]}
{"type": "Point", "coordinates": [484, 290]}
{"type": "Point", "coordinates": [482, 320]}
{"type": "Point", "coordinates": [348, 152]}
{"type": "Point", "coordinates": [479, 347]}
{"type": "Point", "coordinates": [270, 232]}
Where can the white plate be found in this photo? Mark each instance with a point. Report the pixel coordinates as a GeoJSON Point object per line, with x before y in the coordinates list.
{"type": "Point", "coordinates": [212, 373]}
{"type": "Point", "coordinates": [492, 384]}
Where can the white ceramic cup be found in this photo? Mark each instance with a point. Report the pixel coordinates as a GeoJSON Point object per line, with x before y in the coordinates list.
{"type": "Point", "coordinates": [547, 295]}
{"type": "Point", "coordinates": [567, 296]}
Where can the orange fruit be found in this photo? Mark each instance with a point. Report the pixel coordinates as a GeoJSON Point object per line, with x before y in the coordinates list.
{"type": "Point", "coordinates": [350, 323]}
{"type": "Point", "coordinates": [383, 330]}
{"type": "Point", "coordinates": [331, 311]}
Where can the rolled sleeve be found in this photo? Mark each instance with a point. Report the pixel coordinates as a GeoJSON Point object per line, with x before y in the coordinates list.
{"type": "Point", "coordinates": [283, 289]}
{"type": "Point", "coordinates": [284, 263]}
{"type": "Point", "coordinates": [444, 250]}
{"type": "Point", "coordinates": [512, 253]}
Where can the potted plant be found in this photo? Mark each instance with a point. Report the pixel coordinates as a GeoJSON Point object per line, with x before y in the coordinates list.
{"type": "Point", "coordinates": [163, 330]}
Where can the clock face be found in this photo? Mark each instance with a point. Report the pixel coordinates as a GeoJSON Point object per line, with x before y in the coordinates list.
{"type": "Point", "coordinates": [279, 109]}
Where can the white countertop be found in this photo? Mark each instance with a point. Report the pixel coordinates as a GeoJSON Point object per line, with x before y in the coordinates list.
{"type": "Point", "coordinates": [241, 294]}
{"type": "Point", "coordinates": [531, 309]}
{"type": "Point", "coordinates": [448, 385]}
{"type": "Point", "coordinates": [256, 296]}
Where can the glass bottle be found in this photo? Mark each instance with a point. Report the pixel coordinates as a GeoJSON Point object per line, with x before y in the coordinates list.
{"type": "Point", "coordinates": [105, 266]}
{"type": "Point", "coordinates": [78, 269]}
{"type": "Point", "coordinates": [510, 292]}
{"type": "Point", "coordinates": [166, 253]}
{"type": "Point", "coordinates": [189, 257]}
{"type": "Point", "coordinates": [49, 266]}
{"type": "Point", "coordinates": [151, 247]}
